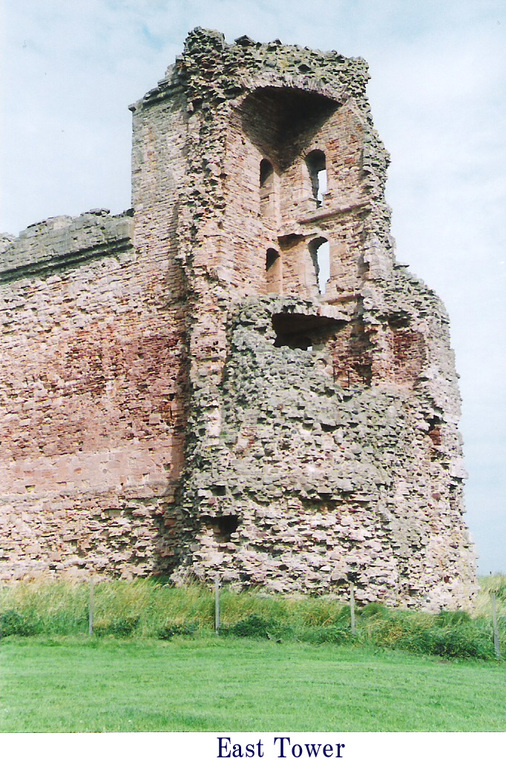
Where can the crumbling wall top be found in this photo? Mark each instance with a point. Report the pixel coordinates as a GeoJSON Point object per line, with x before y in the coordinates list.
{"type": "Point", "coordinates": [213, 71]}
{"type": "Point", "coordinates": [64, 240]}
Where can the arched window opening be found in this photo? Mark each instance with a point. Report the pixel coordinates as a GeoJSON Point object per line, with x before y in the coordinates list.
{"type": "Point", "coordinates": [273, 271]}
{"type": "Point", "coordinates": [266, 174]}
{"type": "Point", "coordinates": [317, 168]}
{"type": "Point", "coordinates": [320, 254]}
{"type": "Point", "coordinates": [271, 258]}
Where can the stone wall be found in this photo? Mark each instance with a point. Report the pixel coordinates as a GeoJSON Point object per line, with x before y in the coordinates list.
{"type": "Point", "coordinates": [196, 397]}
{"type": "Point", "coordinates": [92, 428]}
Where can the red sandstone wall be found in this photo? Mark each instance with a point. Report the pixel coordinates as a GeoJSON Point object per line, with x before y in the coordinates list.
{"type": "Point", "coordinates": [91, 414]}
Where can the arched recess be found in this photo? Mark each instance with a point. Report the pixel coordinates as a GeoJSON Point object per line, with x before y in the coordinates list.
{"type": "Point", "coordinates": [281, 121]}
{"type": "Point", "coordinates": [319, 249]}
{"type": "Point", "coordinates": [316, 164]}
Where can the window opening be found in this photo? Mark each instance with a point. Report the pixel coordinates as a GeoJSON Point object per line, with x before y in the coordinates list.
{"type": "Point", "coordinates": [273, 271]}
{"type": "Point", "coordinates": [300, 331]}
{"type": "Point", "coordinates": [271, 259]}
{"type": "Point", "coordinates": [320, 254]}
{"type": "Point", "coordinates": [317, 168]}
{"type": "Point", "coordinates": [267, 190]}
{"type": "Point", "coordinates": [322, 187]}
{"type": "Point", "coordinates": [294, 341]}
{"type": "Point", "coordinates": [266, 173]}
{"type": "Point", "coordinates": [434, 430]}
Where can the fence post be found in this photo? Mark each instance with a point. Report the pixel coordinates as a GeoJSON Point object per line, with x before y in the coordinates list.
{"type": "Point", "coordinates": [217, 604]}
{"type": "Point", "coordinates": [497, 646]}
{"type": "Point", "coordinates": [352, 608]}
{"type": "Point", "coordinates": [90, 608]}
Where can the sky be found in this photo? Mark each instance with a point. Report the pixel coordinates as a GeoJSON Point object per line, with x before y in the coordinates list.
{"type": "Point", "coordinates": [438, 97]}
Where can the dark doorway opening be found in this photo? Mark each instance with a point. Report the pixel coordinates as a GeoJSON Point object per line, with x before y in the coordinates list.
{"type": "Point", "coordinates": [300, 331]}
{"type": "Point", "coordinates": [223, 527]}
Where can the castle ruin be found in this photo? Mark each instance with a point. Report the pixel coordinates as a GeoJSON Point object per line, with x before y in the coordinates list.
{"type": "Point", "coordinates": [235, 376]}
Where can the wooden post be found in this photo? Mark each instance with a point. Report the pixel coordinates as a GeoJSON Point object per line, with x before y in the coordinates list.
{"type": "Point", "coordinates": [90, 608]}
{"type": "Point", "coordinates": [352, 608]}
{"type": "Point", "coordinates": [217, 604]}
{"type": "Point", "coordinates": [497, 646]}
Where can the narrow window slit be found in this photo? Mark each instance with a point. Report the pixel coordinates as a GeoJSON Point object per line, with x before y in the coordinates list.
{"type": "Point", "coordinates": [271, 258]}
{"type": "Point", "coordinates": [273, 271]}
{"type": "Point", "coordinates": [320, 254]}
{"type": "Point", "coordinates": [266, 173]}
{"type": "Point", "coordinates": [317, 168]}
{"type": "Point", "coordinates": [267, 190]}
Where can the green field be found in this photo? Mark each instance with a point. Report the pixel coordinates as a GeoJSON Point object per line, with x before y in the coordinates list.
{"type": "Point", "coordinates": [229, 684]}
{"type": "Point", "coordinates": [154, 662]}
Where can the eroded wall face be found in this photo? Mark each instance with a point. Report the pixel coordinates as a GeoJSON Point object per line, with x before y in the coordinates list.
{"type": "Point", "coordinates": [92, 429]}
{"type": "Point", "coordinates": [315, 481]}
{"type": "Point", "coordinates": [94, 375]}
{"type": "Point", "coordinates": [322, 442]}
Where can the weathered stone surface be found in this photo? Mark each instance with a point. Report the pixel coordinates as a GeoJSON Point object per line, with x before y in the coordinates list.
{"type": "Point", "coordinates": [183, 394]}
{"type": "Point", "coordinates": [90, 371]}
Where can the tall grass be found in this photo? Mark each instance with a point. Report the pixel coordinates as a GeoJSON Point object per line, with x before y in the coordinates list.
{"type": "Point", "coordinates": [146, 608]}
{"type": "Point", "coordinates": [62, 607]}
{"type": "Point", "coordinates": [488, 585]}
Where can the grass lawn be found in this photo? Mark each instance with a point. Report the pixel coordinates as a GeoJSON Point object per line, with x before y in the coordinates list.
{"type": "Point", "coordinates": [81, 684]}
